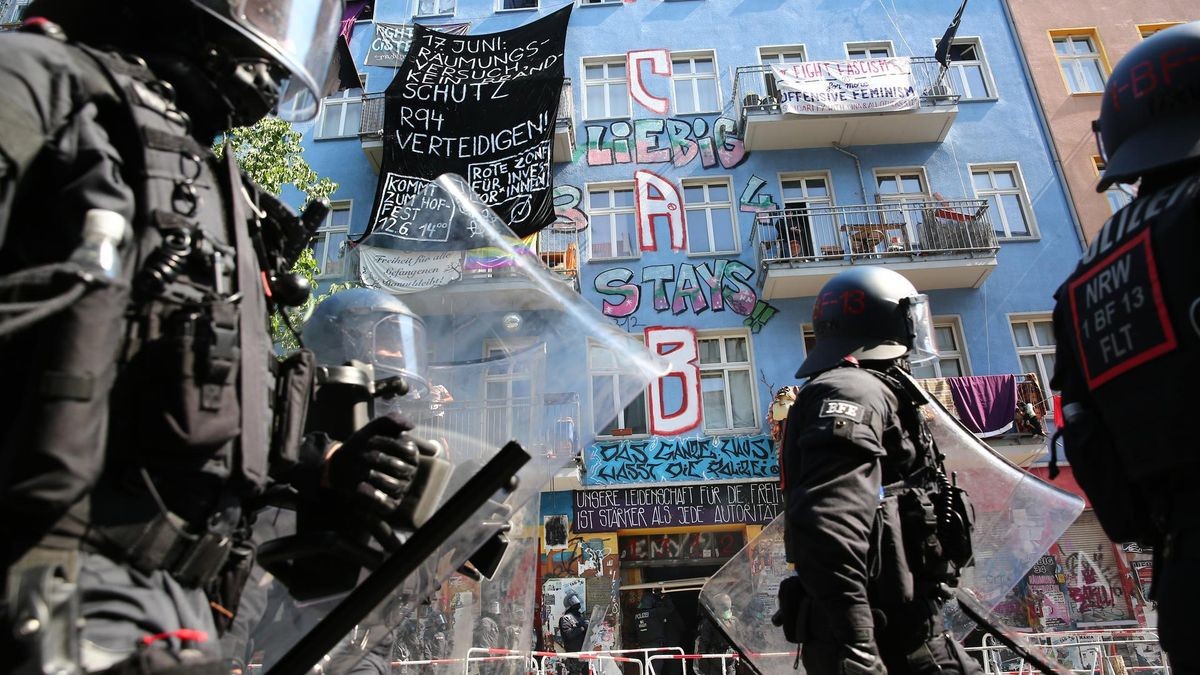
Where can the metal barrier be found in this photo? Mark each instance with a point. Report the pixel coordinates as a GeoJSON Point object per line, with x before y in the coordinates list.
{"type": "Point", "coordinates": [594, 660]}
{"type": "Point", "coordinates": [1103, 652]}
{"type": "Point", "coordinates": [688, 659]}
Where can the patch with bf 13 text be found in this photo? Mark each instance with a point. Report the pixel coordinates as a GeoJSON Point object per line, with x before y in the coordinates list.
{"type": "Point", "coordinates": [1118, 312]}
{"type": "Point", "coordinates": [845, 409]}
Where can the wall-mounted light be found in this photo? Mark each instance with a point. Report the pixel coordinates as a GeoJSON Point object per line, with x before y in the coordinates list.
{"type": "Point", "coordinates": [511, 322]}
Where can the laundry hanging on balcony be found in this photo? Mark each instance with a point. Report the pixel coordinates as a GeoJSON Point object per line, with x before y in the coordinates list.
{"type": "Point", "coordinates": [480, 106]}
{"type": "Point", "coordinates": [987, 404]}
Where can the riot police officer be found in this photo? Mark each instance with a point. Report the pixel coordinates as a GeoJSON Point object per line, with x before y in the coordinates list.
{"type": "Point", "coordinates": [859, 469]}
{"type": "Point", "coordinates": [140, 416]}
{"type": "Point", "coordinates": [572, 627]}
{"type": "Point", "coordinates": [1127, 323]}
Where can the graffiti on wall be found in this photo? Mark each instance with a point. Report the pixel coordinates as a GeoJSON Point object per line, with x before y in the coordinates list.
{"type": "Point", "coordinates": [665, 140]}
{"type": "Point", "coordinates": [1095, 596]}
{"type": "Point", "coordinates": [679, 459]}
{"type": "Point", "coordinates": [676, 289]}
{"type": "Point", "coordinates": [568, 214]}
{"type": "Point", "coordinates": [753, 199]}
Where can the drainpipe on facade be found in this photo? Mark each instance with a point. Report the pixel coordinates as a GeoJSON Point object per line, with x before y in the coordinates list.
{"type": "Point", "coordinates": [1043, 124]}
{"type": "Point", "coordinates": [862, 186]}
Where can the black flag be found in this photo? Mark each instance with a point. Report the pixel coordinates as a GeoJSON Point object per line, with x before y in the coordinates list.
{"type": "Point", "coordinates": [942, 53]}
{"type": "Point", "coordinates": [481, 106]}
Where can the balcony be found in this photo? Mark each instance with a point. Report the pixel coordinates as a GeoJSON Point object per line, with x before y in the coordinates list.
{"type": "Point", "coordinates": [935, 244]}
{"type": "Point", "coordinates": [766, 127]}
{"type": "Point", "coordinates": [370, 127]}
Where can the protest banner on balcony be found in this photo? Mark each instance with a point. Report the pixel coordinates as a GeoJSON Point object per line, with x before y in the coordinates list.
{"type": "Point", "coordinates": [480, 106]}
{"type": "Point", "coordinates": [832, 87]}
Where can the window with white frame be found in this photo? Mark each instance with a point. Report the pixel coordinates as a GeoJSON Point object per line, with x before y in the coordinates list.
{"type": "Point", "coordinates": [509, 387]}
{"type": "Point", "coordinates": [1034, 338]}
{"type": "Point", "coordinates": [329, 248]}
{"type": "Point", "coordinates": [516, 4]}
{"type": "Point", "coordinates": [608, 418]}
{"type": "Point", "coordinates": [711, 225]}
{"type": "Point", "coordinates": [727, 383]}
{"type": "Point", "coordinates": [694, 82]}
{"type": "Point", "coordinates": [613, 221]}
{"type": "Point", "coordinates": [952, 359]}
{"type": "Point", "coordinates": [969, 70]}
{"type": "Point", "coordinates": [1079, 59]}
{"type": "Point", "coordinates": [906, 187]}
{"type": "Point", "coordinates": [779, 55]}
{"type": "Point", "coordinates": [605, 88]}
{"type": "Point", "coordinates": [858, 51]}
{"type": "Point", "coordinates": [341, 113]}
{"type": "Point", "coordinates": [1003, 189]}
{"type": "Point", "coordinates": [12, 14]}
{"type": "Point", "coordinates": [435, 7]}
{"type": "Point", "coordinates": [1117, 196]}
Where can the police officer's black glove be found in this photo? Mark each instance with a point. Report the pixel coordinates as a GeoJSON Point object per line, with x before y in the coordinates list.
{"type": "Point", "coordinates": [373, 470]}
{"type": "Point", "coordinates": [861, 658]}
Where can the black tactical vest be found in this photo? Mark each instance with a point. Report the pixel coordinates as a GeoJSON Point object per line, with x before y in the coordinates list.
{"type": "Point", "coordinates": [1128, 332]}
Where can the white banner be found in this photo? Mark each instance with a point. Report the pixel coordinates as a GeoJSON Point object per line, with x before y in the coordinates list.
{"type": "Point", "coordinates": [825, 87]}
{"type": "Point", "coordinates": [408, 271]}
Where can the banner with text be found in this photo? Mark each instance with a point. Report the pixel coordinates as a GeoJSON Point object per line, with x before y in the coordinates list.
{"type": "Point", "coordinates": [408, 271]}
{"type": "Point", "coordinates": [480, 106]}
{"type": "Point", "coordinates": [392, 40]}
{"type": "Point", "coordinates": [612, 509]}
{"type": "Point", "coordinates": [826, 87]}
{"type": "Point", "coordinates": [657, 460]}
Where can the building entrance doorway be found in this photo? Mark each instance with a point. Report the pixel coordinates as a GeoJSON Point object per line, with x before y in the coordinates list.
{"type": "Point", "coordinates": [679, 605]}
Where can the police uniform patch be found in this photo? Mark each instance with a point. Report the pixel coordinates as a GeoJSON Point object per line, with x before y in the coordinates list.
{"type": "Point", "coordinates": [844, 409]}
{"type": "Point", "coordinates": [1119, 314]}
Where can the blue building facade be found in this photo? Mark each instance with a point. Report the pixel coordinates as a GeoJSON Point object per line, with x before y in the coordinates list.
{"type": "Point", "coordinates": [703, 199]}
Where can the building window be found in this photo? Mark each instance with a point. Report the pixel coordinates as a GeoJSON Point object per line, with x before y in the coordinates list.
{"type": "Point", "coordinates": [607, 418]}
{"type": "Point", "coordinates": [613, 223]}
{"type": "Point", "coordinates": [969, 70]}
{"type": "Point", "coordinates": [1118, 196]}
{"type": "Point", "coordinates": [1034, 337]}
{"type": "Point", "coordinates": [1080, 60]}
{"type": "Point", "coordinates": [13, 13]}
{"type": "Point", "coordinates": [1002, 187]}
{"type": "Point", "coordinates": [606, 88]}
{"type": "Point", "coordinates": [341, 113]}
{"type": "Point", "coordinates": [727, 383]}
{"type": "Point", "coordinates": [517, 4]}
{"type": "Point", "coordinates": [585, 3]}
{"type": "Point", "coordinates": [901, 187]}
{"type": "Point", "coordinates": [435, 8]}
{"type": "Point", "coordinates": [694, 83]}
{"type": "Point", "coordinates": [1145, 30]}
{"type": "Point", "coordinates": [857, 51]}
{"type": "Point", "coordinates": [329, 247]}
{"type": "Point", "coordinates": [952, 359]}
{"type": "Point", "coordinates": [808, 227]}
{"type": "Point", "coordinates": [509, 389]}
{"type": "Point", "coordinates": [778, 56]}
{"type": "Point", "coordinates": [711, 225]}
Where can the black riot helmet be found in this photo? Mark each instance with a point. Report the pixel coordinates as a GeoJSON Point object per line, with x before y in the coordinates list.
{"type": "Point", "coordinates": [869, 313]}
{"type": "Point", "coordinates": [259, 55]}
{"type": "Point", "coordinates": [572, 601]}
{"type": "Point", "coordinates": [372, 326]}
{"type": "Point", "coordinates": [1148, 118]}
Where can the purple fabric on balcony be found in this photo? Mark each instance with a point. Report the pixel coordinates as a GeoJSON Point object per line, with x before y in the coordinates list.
{"type": "Point", "coordinates": [350, 15]}
{"type": "Point", "coordinates": [987, 404]}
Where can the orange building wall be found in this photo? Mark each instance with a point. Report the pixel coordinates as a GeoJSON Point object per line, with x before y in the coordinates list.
{"type": "Point", "coordinates": [1070, 115]}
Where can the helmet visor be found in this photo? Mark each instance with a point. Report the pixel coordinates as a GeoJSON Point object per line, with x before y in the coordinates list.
{"type": "Point", "coordinates": [399, 348]}
{"type": "Point", "coordinates": [920, 329]}
{"type": "Point", "coordinates": [299, 35]}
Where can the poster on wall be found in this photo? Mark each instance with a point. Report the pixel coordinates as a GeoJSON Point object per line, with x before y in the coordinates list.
{"type": "Point", "coordinates": [666, 459]}
{"type": "Point", "coordinates": [832, 87]}
{"type": "Point", "coordinates": [480, 106]}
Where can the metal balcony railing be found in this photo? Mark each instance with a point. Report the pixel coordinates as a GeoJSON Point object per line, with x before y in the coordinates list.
{"type": "Point", "coordinates": [544, 424]}
{"type": "Point", "coordinates": [370, 126]}
{"type": "Point", "coordinates": [899, 229]}
{"type": "Point", "coordinates": [755, 91]}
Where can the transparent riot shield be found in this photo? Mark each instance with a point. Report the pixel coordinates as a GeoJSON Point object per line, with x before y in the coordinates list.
{"type": "Point", "coordinates": [1018, 517]}
{"type": "Point", "coordinates": [489, 358]}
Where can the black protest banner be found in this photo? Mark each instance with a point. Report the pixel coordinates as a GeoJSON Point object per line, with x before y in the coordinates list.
{"type": "Point", "coordinates": [481, 106]}
{"type": "Point", "coordinates": [609, 510]}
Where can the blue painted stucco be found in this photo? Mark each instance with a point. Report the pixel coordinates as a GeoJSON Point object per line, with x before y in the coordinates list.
{"type": "Point", "coordinates": [1000, 130]}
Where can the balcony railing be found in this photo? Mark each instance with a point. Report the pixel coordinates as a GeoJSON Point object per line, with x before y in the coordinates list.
{"type": "Point", "coordinates": [544, 424]}
{"type": "Point", "coordinates": [755, 91]}
{"type": "Point", "coordinates": [900, 229]}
